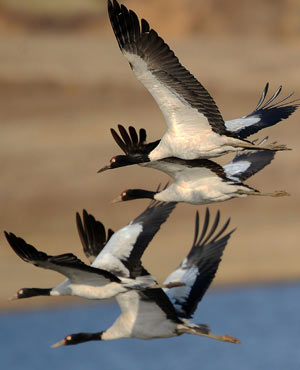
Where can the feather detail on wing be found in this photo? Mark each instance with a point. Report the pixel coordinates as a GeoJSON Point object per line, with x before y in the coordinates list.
{"type": "Point", "coordinates": [92, 235]}
{"type": "Point", "coordinates": [249, 162]}
{"type": "Point", "coordinates": [185, 103]}
{"type": "Point", "coordinates": [264, 115]}
{"type": "Point", "coordinates": [131, 143]}
{"type": "Point", "coordinates": [198, 269]}
{"type": "Point", "coordinates": [66, 264]}
{"type": "Point", "coordinates": [124, 250]}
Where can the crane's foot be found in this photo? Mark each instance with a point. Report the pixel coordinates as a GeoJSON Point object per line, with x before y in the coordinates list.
{"type": "Point", "coordinates": [222, 338]}
{"type": "Point", "coordinates": [278, 193]}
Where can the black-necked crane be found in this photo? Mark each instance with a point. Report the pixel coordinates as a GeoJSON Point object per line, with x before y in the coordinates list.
{"type": "Point", "coordinates": [117, 267]}
{"type": "Point", "coordinates": [196, 128]}
{"type": "Point", "coordinates": [266, 114]}
{"type": "Point", "coordinates": [199, 181]}
{"type": "Point", "coordinates": [155, 313]}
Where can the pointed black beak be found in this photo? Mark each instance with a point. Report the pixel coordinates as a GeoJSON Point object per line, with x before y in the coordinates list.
{"type": "Point", "coordinates": [104, 168]}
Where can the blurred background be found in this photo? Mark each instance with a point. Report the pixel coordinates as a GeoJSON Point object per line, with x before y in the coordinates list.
{"type": "Point", "coordinates": [64, 84]}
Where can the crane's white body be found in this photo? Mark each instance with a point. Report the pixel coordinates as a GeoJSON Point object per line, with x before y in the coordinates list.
{"type": "Point", "coordinates": [139, 319]}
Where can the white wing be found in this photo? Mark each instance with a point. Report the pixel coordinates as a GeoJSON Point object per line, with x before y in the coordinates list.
{"type": "Point", "coordinates": [188, 170]}
{"type": "Point", "coordinates": [123, 251]}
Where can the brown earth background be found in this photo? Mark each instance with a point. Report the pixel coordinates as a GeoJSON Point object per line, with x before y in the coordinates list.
{"type": "Point", "coordinates": [64, 84]}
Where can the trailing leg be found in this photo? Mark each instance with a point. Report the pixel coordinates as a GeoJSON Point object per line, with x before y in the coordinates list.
{"type": "Point", "coordinates": [273, 147]}
{"type": "Point", "coordinates": [276, 193]}
{"type": "Point", "coordinates": [223, 338]}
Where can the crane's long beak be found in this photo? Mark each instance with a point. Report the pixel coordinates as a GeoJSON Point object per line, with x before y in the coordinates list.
{"type": "Point", "coordinates": [104, 168]}
{"type": "Point", "coordinates": [116, 200]}
{"type": "Point", "coordinates": [59, 344]}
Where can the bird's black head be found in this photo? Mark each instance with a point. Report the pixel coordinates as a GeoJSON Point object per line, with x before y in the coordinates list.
{"type": "Point", "coordinates": [125, 160]}
{"type": "Point", "coordinates": [31, 292]}
{"type": "Point", "coordinates": [72, 339]}
{"type": "Point", "coordinates": [115, 162]}
{"type": "Point", "coordinates": [131, 194]}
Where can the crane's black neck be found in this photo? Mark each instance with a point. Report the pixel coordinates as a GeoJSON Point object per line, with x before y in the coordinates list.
{"type": "Point", "coordinates": [81, 338]}
{"type": "Point", "coordinates": [129, 159]}
{"type": "Point", "coordinates": [32, 292]}
{"type": "Point", "coordinates": [125, 160]}
{"type": "Point", "coordinates": [138, 194]}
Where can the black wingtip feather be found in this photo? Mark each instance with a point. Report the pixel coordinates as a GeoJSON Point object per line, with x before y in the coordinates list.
{"type": "Point", "coordinates": [213, 228]}
{"type": "Point", "coordinates": [263, 96]}
{"type": "Point", "coordinates": [143, 135]}
{"type": "Point", "coordinates": [130, 143]}
{"type": "Point", "coordinates": [206, 256]}
{"type": "Point", "coordinates": [133, 135]}
{"type": "Point", "coordinates": [124, 135]}
{"type": "Point", "coordinates": [25, 251]}
{"type": "Point", "coordinates": [196, 227]}
{"type": "Point", "coordinates": [223, 229]}
{"type": "Point", "coordinates": [92, 234]}
{"type": "Point", "coordinates": [205, 225]}
{"type": "Point", "coordinates": [81, 232]}
{"type": "Point", "coordinates": [119, 141]}
{"type": "Point", "coordinates": [269, 114]}
{"type": "Point", "coordinates": [145, 26]}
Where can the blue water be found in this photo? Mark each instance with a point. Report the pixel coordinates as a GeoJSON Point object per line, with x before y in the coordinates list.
{"type": "Point", "coordinates": [265, 318]}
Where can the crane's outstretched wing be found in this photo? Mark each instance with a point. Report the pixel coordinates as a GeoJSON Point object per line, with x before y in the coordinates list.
{"type": "Point", "coordinates": [92, 235]}
{"type": "Point", "coordinates": [122, 254]}
{"type": "Point", "coordinates": [66, 264]}
{"type": "Point", "coordinates": [247, 163]}
{"type": "Point", "coordinates": [198, 269]}
{"type": "Point", "coordinates": [132, 143]}
{"type": "Point", "coordinates": [184, 102]}
{"type": "Point", "coordinates": [264, 115]}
